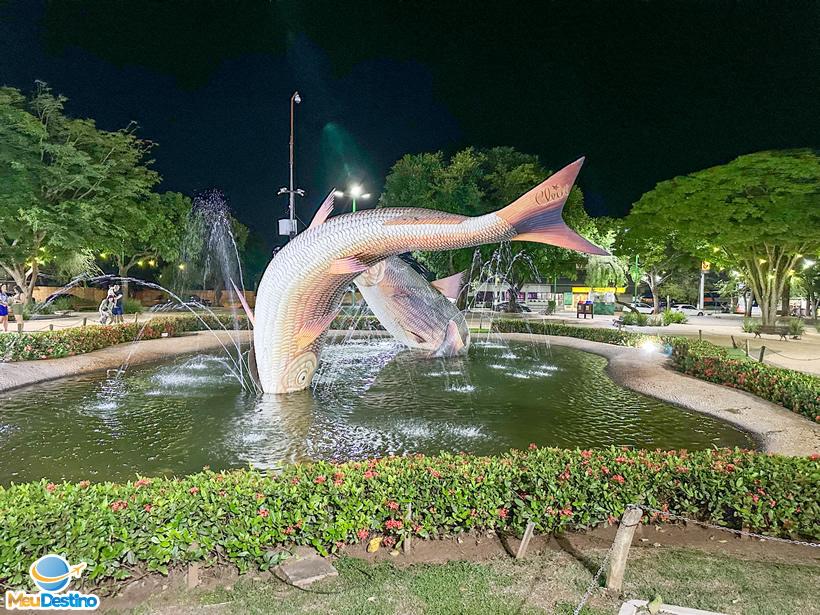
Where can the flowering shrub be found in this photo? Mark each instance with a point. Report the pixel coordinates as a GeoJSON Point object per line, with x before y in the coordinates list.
{"type": "Point", "coordinates": [240, 516]}
{"type": "Point", "coordinates": [79, 340]}
{"type": "Point", "coordinates": [797, 391]}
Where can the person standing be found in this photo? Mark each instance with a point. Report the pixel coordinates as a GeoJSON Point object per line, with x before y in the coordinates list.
{"type": "Point", "coordinates": [115, 296]}
{"type": "Point", "coordinates": [17, 305]}
{"type": "Point", "coordinates": [4, 308]}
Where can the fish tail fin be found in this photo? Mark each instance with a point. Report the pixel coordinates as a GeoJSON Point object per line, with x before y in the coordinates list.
{"type": "Point", "coordinates": [453, 344]}
{"type": "Point", "coordinates": [536, 215]}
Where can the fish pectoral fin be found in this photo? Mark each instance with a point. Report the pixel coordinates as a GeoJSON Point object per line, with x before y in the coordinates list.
{"type": "Point", "coordinates": [452, 344]}
{"type": "Point", "coordinates": [349, 264]}
{"type": "Point", "coordinates": [449, 286]}
{"type": "Point", "coordinates": [313, 329]}
{"type": "Point", "coordinates": [416, 336]}
{"type": "Point", "coordinates": [324, 210]}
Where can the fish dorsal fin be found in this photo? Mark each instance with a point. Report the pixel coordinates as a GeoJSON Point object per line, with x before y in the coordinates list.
{"type": "Point", "coordinates": [245, 306]}
{"type": "Point", "coordinates": [349, 264]}
{"type": "Point", "coordinates": [313, 329]}
{"type": "Point", "coordinates": [449, 286]}
{"type": "Point", "coordinates": [427, 217]}
{"type": "Point", "coordinates": [324, 210]}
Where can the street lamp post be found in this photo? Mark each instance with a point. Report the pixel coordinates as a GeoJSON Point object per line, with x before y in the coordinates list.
{"type": "Point", "coordinates": [353, 192]}
{"type": "Point", "coordinates": [295, 99]}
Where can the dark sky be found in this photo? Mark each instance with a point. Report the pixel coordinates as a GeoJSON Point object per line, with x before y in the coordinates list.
{"type": "Point", "coordinates": [646, 90]}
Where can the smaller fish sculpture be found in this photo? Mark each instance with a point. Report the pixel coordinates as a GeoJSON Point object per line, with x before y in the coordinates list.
{"type": "Point", "coordinates": [417, 313]}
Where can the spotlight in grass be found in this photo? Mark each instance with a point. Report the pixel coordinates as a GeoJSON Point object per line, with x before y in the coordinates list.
{"type": "Point", "coordinates": [650, 346]}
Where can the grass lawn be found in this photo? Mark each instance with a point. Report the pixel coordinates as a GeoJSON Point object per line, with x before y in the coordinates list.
{"type": "Point", "coordinates": [552, 582]}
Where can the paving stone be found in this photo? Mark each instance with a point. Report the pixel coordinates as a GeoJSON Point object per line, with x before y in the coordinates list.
{"type": "Point", "coordinates": [305, 568]}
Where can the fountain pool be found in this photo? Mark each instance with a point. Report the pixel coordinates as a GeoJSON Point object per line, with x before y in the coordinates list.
{"type": "Point", "coordinates": [370, 398]}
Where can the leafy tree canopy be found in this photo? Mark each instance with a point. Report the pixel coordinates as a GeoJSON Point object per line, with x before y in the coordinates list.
{"type": "Point", "coordinates": [758, 214]}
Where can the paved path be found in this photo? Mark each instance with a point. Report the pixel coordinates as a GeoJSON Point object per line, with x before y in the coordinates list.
{"type": "Point", "coordinates": [802, 355]}
{"type": "Point", "coordinates": [778, 430]}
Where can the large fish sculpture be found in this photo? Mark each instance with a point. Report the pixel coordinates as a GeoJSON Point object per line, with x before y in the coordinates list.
{"type": "Point", "coordinates": [301, 289]}
{"type": "Point", "coordinates": [417, 313]}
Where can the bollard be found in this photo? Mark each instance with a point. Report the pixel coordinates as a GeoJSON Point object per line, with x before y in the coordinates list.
{"type": "Point", "coordinates": [762, 350]}
{"type": "Point", "coordinates": [19, 327]}
{"type": "Point", "coordinates": [747, 348]}
{"type": "Point", "coordinates": [51, 327]}
{"type": "Point", "coordinates": [700, 335]}
{"type": "Point", "coordinates": [85, 320]}
{"type": "Point", "coordinates": [620, 547]}
{"type": "Point", "coordinates": [525, 541]}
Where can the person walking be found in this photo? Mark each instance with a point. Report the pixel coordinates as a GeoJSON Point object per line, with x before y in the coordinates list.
{"type": "Point", "coordinates": [4, 308]}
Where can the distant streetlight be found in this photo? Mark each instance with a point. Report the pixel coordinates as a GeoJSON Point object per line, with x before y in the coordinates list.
{"type": "Point", "coordinates": [355, 191]}
{"type": "Point", "coordinates": [290, 228]}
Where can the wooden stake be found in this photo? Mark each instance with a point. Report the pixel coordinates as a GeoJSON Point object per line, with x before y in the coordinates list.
{"type": "Point", "coordinates": [525, 541]}
{"type": "Point", "coordinates": [51, 327]}
{"type": "Point", "coordinates": [700, 335]}
{"type": "Point", "coordinates": [85, 320]}
{"type": "Point", "coordinates": [620, 548]}
{"type": "Point", "coordinates": [136, 317]}
{"type": "Point", "coordinates": [734, 343]}
{"type": "Point", "coordinates": [747, 348]}
{"type": "Point", "coordinates": [762, 351]}
{"type": "Point", "coordinates": [405, 545]}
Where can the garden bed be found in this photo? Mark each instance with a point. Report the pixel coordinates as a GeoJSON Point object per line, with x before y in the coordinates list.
{"type": "Point", "coordinates": [242, 516]}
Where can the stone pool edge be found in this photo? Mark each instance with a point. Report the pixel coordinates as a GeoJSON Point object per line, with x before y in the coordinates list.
{"type": "Point", "coordinates": [776, 429]}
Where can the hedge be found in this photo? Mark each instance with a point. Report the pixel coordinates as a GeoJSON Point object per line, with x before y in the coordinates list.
{"type": "Point", "coordinates": [796, 391]}
{"type": "Point", "coordinates": [242, 516]}
{"type": "Point", "coordinates": [79, 340]}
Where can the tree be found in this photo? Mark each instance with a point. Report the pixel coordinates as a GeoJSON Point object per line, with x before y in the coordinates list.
{"type": "Point", "coordinates": [758, 214]}
{"type": "Point", "coordinates": [612, 270]}
{"type": "Point", "coordinates": [146, 229]}
{"type": "Point", "coordinates": [60, 179]}
{"type": "Point", "coordinates": [475, 182]}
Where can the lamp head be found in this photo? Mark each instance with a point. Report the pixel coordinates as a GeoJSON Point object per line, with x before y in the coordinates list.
{"type": "Point", "coordinates": [296, 98]}
{"type": "Point", "coordinates": [355, 191]}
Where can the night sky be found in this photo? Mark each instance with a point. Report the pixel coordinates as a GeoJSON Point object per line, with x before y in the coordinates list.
{"type": "Point", "coordinates": [646, 90]}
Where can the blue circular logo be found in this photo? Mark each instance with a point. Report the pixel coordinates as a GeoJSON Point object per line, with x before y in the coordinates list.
{"type": "Point", "coordinates": [51, 573]}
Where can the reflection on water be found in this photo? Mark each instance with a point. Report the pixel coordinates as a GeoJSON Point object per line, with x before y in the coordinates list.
{"type": "Point", "coordinates": [370, 399]}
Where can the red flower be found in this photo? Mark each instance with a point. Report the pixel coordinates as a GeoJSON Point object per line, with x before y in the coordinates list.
{"type": "Point", "coordinates": [473, 512]}
{"type": "Point", "coordinates": [434, 473]}
{"type": "Point", "coordinates": [223, 493]}
{"type": "Point", "coordinates": [142, 483]}
{"type": "Point", "coordinates": [147, 508]}
{"type": "Point", "coordinates": [260, 496]}
{"type": "Point", "coordinates": [193, 490]}
{"type": "Point", "coordinates": [503, 512]}
{"type": "Point", "coordinates": [84, 484]}
{"type": "Point", "coordinates": [814, 456]}
{"type": "Point", "coordinates": [586, 454]}
{"type": "Point", "coordinates": [730, 467]}
{"type": "Point", "coordinates": [119, 505]}
{"type": "Point", "coordinates": [755, 498]}
{"type": "Point", "coordinates": [288, 530]}
{"type": "Point", "coordinates": [362, 534]}
{"type": "Point", "coordinates": [417, 528]}
{"type": "Point", "coordinates": [393, 505]}
{"type": "Point", "coordinates": [394, 524]}
{"type": "Point", "coordinates": [388, 541]}
{"type": "Point", "coordinates": [620, 459]}
{"type": "Point", "coordinates": [566, 512]}
{"type": "Point", "coordinates": [605, 469]}
{"type": "Point", "coordinates": [264, 513]}
{"type": "Point", "coordinates": [611, 520]}
{"type": "Point", "coordinates": [294, 481]}
{"type": "Point", "coordinates": [319, 480]}
{"type": "Point", "coordinates": [532, 446]}
{"type": "Point", "coordinates": [370, 474]}
{"type": "Point", "coordinates": [772, 503]}
{"type": "Point", "coordinates": [619, 479]}
{"type": "Point", "coordinates": [51, 487]}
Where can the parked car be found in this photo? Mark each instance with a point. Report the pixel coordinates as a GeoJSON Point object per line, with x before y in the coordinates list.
{"type": "Point", "coordinates": [643, 308]}
{"type": "Point", "coordinates": [505, 306]}
{"type": "Point", "coordinates": [685, 308]}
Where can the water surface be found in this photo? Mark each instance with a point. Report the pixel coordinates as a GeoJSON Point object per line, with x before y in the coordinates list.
{"type": "Point", "coordinates": [370, 399]}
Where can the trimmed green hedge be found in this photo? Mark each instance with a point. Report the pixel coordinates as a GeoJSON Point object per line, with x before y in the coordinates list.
{"type": "Point", "coordinates": [241, 516]}
{"type": "Point", "coordinates": [797, 391]}
{"type": "Point", "coordinates": [79, 340]}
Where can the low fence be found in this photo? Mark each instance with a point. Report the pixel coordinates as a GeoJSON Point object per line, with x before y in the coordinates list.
{"type": "Point", "coordinates": [146, 296]}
